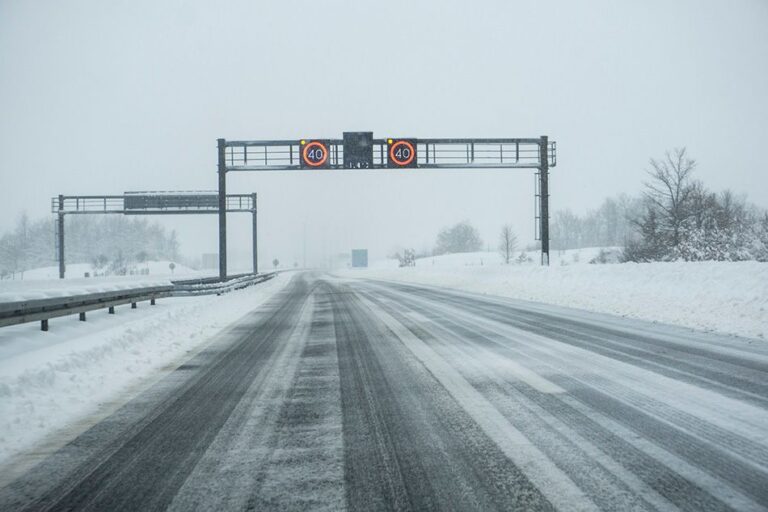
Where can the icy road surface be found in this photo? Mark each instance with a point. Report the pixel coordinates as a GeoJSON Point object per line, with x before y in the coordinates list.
{"type": "Point", "coordinates": [363, 395]}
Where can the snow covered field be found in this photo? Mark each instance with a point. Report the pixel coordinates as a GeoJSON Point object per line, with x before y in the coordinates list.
{"type": "Point", "coordinates": [11, 291]}
{"type": "Point", "coordinates": [41, 283]}
{"type": "Point", "coordinates": [725, 297]}
{"type": "Point", "coordinates": [50, 379]}
{"type": "Point", "coordinates": [77, 271]}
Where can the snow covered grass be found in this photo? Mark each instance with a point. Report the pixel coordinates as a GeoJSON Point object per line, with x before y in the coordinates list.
{"type": "Point", "coordinates": [78, 270]}
{"type": "Point", "coordinates": [726, 297]}
{"type": "Point", "coordinates": [44, 283]}
{"type": "Point", "coordinates": [51, 379]}
{"type": "Point", "coordinates": [481, 259]}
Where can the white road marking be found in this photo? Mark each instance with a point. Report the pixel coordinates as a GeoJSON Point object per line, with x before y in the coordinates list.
{"type": "Point", "coordinates": [417, 317]}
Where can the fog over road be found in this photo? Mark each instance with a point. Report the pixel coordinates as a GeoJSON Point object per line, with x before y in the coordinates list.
{"type": "Point", "coordinates": [367, 395]}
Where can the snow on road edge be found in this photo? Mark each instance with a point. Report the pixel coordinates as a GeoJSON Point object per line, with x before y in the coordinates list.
{"type": "Point", "coordinates": [50, 380]}
{"type": "Point", "coordinates": [724, 297]}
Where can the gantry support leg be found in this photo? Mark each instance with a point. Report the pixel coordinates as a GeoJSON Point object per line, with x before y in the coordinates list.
{"type": "Point", "coordinates": [60, 234]}
{"type": "Point", "coordinates": [255, 237]}
{"type": "Point", "coordinates": [222, 210]}
{"type": "Point", "coordinates": [544, 199]}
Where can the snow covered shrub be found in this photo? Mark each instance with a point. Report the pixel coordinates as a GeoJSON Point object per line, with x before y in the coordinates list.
{"type": "Point", "coordinates": [461, 237]}
{"type": "Point", "coordinates": [607, 256]}
{"type": "Point", "coordinates": [523, 258]}
{"type": "Point", "coordinates": [682, 220]}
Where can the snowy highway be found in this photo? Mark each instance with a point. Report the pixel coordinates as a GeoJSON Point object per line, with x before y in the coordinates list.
{"type": "Point", "coordinates": [353, 394]}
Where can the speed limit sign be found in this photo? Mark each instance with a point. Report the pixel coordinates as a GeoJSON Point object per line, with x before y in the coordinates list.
{"type": "Point", "coordinates": [401, 153]}
{"type": "Point", "coordinates": [314, 154]}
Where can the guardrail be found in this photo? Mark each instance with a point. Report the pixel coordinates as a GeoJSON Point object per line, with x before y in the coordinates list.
{"type": "Point", "coordinates": [33, 310]}
{"type": "Point", "coordinates": [19, 312]}
{"type": "Point", "coordinates": [206, 287]}
{"type": "Point", "coordinates": [211, 279]}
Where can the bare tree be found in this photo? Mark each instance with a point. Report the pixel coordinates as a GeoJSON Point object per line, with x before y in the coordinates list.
{"type": "Point", "coordinates": [507, 242]}
{"type": "Point", "coordinates": [670, 192]}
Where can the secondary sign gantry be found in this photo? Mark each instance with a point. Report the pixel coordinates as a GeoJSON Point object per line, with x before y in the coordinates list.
{"type": "Point", "coordinates": [151, 203]}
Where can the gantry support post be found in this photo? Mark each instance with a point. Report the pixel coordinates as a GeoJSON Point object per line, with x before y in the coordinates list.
{"type": "Point", "coordinates": [222, 210]}
{"type": "Point", "coordinates": [60, 234]}
{"type": "Point", "coordinates": [255, 236]}
{"type": "Point", "coordinates": [544, 199]}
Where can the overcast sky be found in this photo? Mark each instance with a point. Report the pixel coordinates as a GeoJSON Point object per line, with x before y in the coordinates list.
{"type": "Point", "coordinates": [100, 97]}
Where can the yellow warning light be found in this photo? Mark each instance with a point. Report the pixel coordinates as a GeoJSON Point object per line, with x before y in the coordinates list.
{"type": "Point", "coordinates": [303, 142]}
{"type": "Point", "coordinates": [389, 141]}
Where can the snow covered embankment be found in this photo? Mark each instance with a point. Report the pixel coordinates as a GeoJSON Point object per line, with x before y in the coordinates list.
{"type": "Point", "coordinates": [726, 297]}
{"type": "Point", "coordinates": [51, 379]}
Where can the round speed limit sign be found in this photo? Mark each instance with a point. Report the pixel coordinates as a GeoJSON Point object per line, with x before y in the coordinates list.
{"type": "Point", "coordinates": [314, 154]}
{"type": "Point", "coordinates": [402, 153]}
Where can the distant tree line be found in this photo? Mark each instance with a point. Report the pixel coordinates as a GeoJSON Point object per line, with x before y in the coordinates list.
{"type": "Point", "coordinates": [675, 218]}
{"type": "Point", "coordinates": [109, 243]}
{"type": "Point", "coordinates": [463, 237]}
{"type": "Point", "coordinates": [610, 225]}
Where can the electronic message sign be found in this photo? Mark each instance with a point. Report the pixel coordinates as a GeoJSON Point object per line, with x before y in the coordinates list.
{"type": "Point", "coordinates": [358, 150]}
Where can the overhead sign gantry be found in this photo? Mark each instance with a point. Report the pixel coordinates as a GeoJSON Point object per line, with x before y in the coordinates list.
{"type": "Point", "coordinates": [361, 151]}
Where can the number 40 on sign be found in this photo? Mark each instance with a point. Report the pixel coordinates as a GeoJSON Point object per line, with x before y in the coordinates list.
{"type": "Point", "coordinates": [401, 153]}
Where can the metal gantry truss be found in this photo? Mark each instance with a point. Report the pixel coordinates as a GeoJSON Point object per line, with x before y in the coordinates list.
{"type": "Point", "coordinates": [151, 203]}
{"type": "Point", "coordinates": [467, 153]}
{"type": "Point", "coordinates": [284, 155]}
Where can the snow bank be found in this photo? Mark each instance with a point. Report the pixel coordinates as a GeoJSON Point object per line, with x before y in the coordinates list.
{"type": "Point", "coordinates": [50, 379]}
{"type": "Point", "coordinates": [726, 297]}
{"type": "Point", "coordinates": [481, 259]}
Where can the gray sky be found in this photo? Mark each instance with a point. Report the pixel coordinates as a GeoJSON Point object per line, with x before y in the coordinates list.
{"type": "Point", "coordinates": [103, 97]}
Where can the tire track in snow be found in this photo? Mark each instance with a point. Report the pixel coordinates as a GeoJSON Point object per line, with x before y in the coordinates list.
{"type": "Point", "coordinates": [558, 488]}
{"type": "Point", "coordinates": [700, 453]}
{"type": "Point", "coordinates": [366, 396]}
{"type": "Point", "coordinates": [408, 444]}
